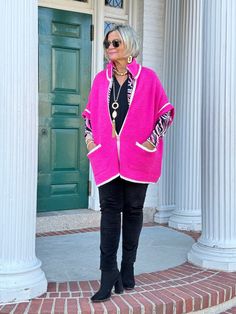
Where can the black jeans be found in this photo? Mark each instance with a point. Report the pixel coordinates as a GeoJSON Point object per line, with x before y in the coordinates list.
{"type": "Point", "coordinates": [127, 197]}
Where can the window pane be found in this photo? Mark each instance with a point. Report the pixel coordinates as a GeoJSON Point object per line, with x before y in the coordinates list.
{"type": "Point", "coordinates": [114, 3]}
{"type": "Point", "coordinates": [107, 26]}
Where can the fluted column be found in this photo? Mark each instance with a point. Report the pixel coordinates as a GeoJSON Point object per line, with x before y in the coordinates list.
{"type": "Point", "coordinates": [166, 185]}
{"type": "Point", "coordinates": [187, 214]}
{"type": "Point", "coordinates": [21, 277]}
{"type": "Point", "coordinates": [216, 248]}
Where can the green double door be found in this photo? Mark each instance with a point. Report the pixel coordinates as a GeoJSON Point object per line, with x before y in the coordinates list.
{"type": "Point", "coordinates": [64, 83]}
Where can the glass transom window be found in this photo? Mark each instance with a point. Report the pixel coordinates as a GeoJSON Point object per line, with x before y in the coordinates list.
{"type": "Point", "coordinates": [114, 3]}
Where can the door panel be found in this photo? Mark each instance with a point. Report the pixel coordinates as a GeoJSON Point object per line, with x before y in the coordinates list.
{"type": "Point", "coordinates": [64, 83]}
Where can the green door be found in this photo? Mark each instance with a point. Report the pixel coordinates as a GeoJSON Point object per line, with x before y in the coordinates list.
{"type": "Point", "coordinates": [64, 82]}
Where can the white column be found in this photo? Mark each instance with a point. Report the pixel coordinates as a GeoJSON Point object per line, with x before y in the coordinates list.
{"type": "Point", "coordinates": [153, 55]}
{"type": "Point", "coordinates": [216, 247]}
{"type": "Point", "coordinates": [21, 277]}
{"type": "Point", "coordinates": [166, 185]}
{"type": "Point", "coordinates": [187, 214]}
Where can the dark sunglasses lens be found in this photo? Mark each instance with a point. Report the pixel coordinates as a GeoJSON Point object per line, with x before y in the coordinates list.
{"type": "Point", "coordinates": [106, 44]}
{"type": "Point", "coordinates": [115, 43]}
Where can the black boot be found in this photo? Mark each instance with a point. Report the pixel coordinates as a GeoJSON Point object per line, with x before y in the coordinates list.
{"type": "Point", "coordinates": [108, 280]}
{"type": "Point", "coordinates": [127, 275]}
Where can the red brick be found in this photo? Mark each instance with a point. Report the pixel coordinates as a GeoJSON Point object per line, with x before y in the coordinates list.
{"type": "Point", "coordinates": [65, 295]}
{"type": "Point", "coordinates": [87, 294]}
{"type": "Point", "coordinates": [148, 288]}
{"type": "Point", "coordinates": [110, 307]}
{"type": "Point", "coordinates": [159, 305]}
{"type": "Point", "coordinates": [213, 294]}
{"type": "Point", "coordinates": [73, 285]}
{"type": "Point", "coordinates": [52, 287]}
{"type": "Point", "coordinates": [186, 292]}
{"type": "Point", "coordinates": [227, 288]}
{"type": "Point", "coordinates": [98, 307]}
{"type": "Point", "coordinates": [42, 296]}
{"type": "Point", "coordinates": [156, 286]}
{"type": "Point", "coordinates": [188, 298]}
{"type": "Point", "coordinates": [220, 291]}
{"type": "Point", "coordinates": [6, 309]}
{"type": "Point", "coordinates": [84, 286]}
{"type": "Point", "coordinates": [35, 306]}
{"type": "Point", "coordinates": [173, 274]}
{"type": "Point", "coordinates": [71, 306]}
{"type": "Point", "coordinates": [85, 306]}
{"type": "Point", "coordinates": [147, 304]}
{"type": "Point", "coordinates": [20, 308]}
{"type": "Point", "coordinates": [54, 294]}
{"type": "Point", "coordinates": [121, 304]}
{"type": "Point", "coordinates": [59, 307]}
{"type": "Point", "coordinates": [63, 286]}
{"type": "Point", "coordinates": [94, 284]}
{"type": "Point", "coordinates": [169, 303]}
{"type": "Point", "coordinates": [160, 277]}
{"type": "Point", "coordinates": [142, 279]}
{"type": "Point", "coordinates": [76, 294]}
{"type": "Point", "coordinates": [47, 306]}
{"type": "Point", "coordinates": [179, 302]}
{"type": "Point", "coordinates": [130, 299]}
{"type": "Point", "coordinates": [203, 295]}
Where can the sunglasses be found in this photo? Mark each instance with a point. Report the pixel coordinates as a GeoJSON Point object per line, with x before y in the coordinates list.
{"type": "Point", "coordinates": [115, 43]}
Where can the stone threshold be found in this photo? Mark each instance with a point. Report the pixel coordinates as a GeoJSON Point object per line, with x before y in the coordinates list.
{"type": "Point", "coordinates": [74, 219]}
{"type": "Point", "coordinates": [182, 289]}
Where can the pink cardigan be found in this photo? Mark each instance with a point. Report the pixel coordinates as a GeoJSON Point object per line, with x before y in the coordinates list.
{"type": "Point", "coordinates": [124, 155]}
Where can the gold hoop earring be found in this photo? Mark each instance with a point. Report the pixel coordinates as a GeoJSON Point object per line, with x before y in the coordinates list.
{"type": "Point", "coordinates": [130, 59]}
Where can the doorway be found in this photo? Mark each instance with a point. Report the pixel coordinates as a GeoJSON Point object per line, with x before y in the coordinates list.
{"type": "Point", "coordinates": [64, 83]}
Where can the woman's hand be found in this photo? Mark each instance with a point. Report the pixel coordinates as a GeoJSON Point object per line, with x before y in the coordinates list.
{"type": "Point", "coordinates": [148, 145]}
{"type": "Point", "coordinates": [91, 146]}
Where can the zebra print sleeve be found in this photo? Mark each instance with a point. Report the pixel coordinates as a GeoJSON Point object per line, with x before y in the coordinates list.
{"type": "Point", "coordinates": [160, 129]}
{"type": "Point", "coordinates": [88, 134]}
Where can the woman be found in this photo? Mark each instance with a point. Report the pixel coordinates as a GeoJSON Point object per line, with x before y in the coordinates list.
{"type": "Point", "coordinates": [126, 116]}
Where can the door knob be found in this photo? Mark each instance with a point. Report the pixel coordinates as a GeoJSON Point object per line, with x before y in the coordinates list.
{"type": "Point", "coordinates": [44, 131]}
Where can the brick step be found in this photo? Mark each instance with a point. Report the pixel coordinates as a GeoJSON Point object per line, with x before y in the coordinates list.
{"type": "Point", "coordinates": [183, 289]}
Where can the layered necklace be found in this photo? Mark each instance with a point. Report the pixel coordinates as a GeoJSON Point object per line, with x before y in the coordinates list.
{"type": "Point", "coordinates": [115, 105]}
{"type": "Point", "coordinates": [120, 73]}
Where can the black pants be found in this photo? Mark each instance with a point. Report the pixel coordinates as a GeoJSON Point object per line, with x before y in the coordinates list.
{"type": "Point", "coordinates": [115, 197]}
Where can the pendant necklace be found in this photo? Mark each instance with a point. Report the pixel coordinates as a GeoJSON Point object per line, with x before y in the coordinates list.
{"type": "Point", "coordinates": [115, 105]}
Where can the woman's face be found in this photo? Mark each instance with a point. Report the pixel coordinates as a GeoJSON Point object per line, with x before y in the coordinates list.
{"type": "Point", "coordinates": [116, 53]}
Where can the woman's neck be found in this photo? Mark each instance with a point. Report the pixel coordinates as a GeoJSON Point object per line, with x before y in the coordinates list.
{"type": "Point", "coordinates": [120, 66]}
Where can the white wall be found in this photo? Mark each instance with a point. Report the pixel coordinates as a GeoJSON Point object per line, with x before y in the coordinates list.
{"type": "Point", "coordinates": [160, 195]}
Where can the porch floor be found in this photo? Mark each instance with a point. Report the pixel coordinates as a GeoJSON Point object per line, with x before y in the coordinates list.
{"type": "Point", "coordinates": [165, 282]}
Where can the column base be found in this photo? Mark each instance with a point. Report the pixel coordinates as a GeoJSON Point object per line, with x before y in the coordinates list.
{"type": "Point", "coordinates": [223, 259]}
{"type": "Point", "coordinates": [162, 215]}
{"type": "Point", "coordinates": [190, 221]}
{"type": "Point", "coordinates": [22, 284]}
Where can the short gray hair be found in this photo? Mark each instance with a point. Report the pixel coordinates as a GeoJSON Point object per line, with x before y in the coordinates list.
{"type": "Point", "coordinates": [129, 38]}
